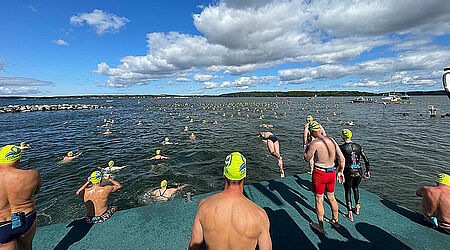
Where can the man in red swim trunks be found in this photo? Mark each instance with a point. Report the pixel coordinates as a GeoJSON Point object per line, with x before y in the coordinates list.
{"type": "Point", "coordinates": [324, 150]}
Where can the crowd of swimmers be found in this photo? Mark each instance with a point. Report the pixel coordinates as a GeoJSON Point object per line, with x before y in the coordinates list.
{"type": "Point", "coordinates": [227, 218]}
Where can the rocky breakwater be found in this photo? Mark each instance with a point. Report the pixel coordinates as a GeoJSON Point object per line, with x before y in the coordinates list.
{"type": "Point", "coordinates": [51, 107]}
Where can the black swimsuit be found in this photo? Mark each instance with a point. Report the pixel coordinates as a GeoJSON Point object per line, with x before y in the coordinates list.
{"type": "Point", "coordinates": [8, 234]}
{"type": "Point", "coordinates": [271, 137]}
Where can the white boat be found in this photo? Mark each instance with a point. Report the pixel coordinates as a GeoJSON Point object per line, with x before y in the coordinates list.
{"type": "Point", "coordinates": [362, 99]}
{"type": "Point", "coordinates": [394, 99]}
{"type": "Point", "coordinates": [446, 81]}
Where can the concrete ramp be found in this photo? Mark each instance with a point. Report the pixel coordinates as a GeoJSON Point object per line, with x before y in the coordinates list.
{"type": "Point", "coordinates": [289, 204]}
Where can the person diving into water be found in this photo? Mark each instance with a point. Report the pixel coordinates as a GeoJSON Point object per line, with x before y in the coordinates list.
{"type": "Point", "coordinates": [274, 148]}
{"type": "Point", "coordinates": [353, 171]}
{"type": "Point", "coordinates": [70, 156]}
{"type": "Point", "coordinates": [163, 193]}
{"type": "Point", "coordinates": [307, 138]}
{"type": "Point", "coordinates": [18, 221]}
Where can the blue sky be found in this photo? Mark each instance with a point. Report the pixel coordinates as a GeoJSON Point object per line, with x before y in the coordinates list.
{"type": "Point", "coordinates": [210, 47]}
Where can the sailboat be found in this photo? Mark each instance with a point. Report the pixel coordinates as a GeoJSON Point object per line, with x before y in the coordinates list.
{"type": "Point", "coordinates": [446, 81]}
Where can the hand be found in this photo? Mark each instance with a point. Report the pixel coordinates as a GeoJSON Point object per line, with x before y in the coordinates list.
{"type": "Point", "coordinates": [367, 175]}
{"type": "Point", "coordinates": [340, 177]}
{"type": "Point", "coordinates": [304, 146]}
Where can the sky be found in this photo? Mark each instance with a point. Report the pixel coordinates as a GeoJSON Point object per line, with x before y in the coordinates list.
{"type": "Point", "coordinates": [53, 48]}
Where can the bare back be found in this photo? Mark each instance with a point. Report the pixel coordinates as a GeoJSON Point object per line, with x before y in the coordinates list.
{"type": "Point", "coordinates": [231, 221]}
{"type": "Point", "coordinates": [97, 197]}
{"type": "Point", "coordinates": [325, 151]}
{"type": "Point", "coordinates": [16, 191]}
{"type": "Point", "coordinates": [436, 202]}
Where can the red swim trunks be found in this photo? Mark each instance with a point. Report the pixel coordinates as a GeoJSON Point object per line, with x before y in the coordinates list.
{"type": "Point", "coordinates": [322, 181]}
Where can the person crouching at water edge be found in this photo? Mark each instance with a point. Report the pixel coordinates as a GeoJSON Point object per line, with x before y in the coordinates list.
{"type": "Point", "coordinates": [436, 202]}
{"type": "Point", "coordinates": [274, 148]}
{"type": "Point", "coordinates": [228, 220]}
{"type": "Point", "coordinates": [96, 198]}
{"type": "Point", "coordinates": [324, 150]}
{"type": "Point", "coordinates": [18, 221]}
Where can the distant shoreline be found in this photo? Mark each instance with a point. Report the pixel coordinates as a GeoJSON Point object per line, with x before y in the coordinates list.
{"type": "Point", "coordinates": [238, 94]}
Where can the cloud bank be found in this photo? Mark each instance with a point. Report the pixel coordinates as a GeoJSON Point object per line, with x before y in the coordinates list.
{"type": "Point", "coordinates": [102, 22]}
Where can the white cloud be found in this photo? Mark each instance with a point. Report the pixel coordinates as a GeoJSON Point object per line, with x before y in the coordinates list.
{"type": "Point", "coordinates": [170, 83]}
{"type": "Point", "coordinates": [61, 42]}
{"type": "Point", "coordinates": [244, 82]}
{"type": "Point", "coordinates": [18, 90]}
{"type": "Point", "coordinates": [239, 37]}
{"type": "Point", "coordinates": [183, 79]}
{"type": "Point", "coordinates": [32, 8]}
{"type": "Point", "coordinates": [101, 21]}
{"type": "Point", "coordinates": [22, 81]}
{"type": "Point", "coordinates": [202, 78]}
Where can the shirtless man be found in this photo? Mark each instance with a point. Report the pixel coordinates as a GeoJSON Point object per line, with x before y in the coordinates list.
{"type": "Point", "coordinates": [96, 198]}
{"type": "Point", "coordinates": [307, 138]}
{"type": "Point", "coordinates": [228, 220]}
{"type": "Point", "coordinates": [436, 202]}
{"type": "Point", "coordinates": [165, 193]}
{"type": "Point", "coordinates": [70, 156]}
{"type": "Point", "coordinates": [158, 156]}
{"type": "Point", "coordinates": [17, 188]}
{"type": "Point", "coordinates": [324, 150]}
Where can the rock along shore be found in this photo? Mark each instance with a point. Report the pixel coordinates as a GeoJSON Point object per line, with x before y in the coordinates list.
{"type": "Point", "coordinates": [51, 107]}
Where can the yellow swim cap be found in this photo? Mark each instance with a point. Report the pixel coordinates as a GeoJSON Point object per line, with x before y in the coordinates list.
{"type": "Point", "coordinates": [314, 126]}
{"type": "Point", "coordinates": [163, 184]}
{"type": "Point", "coordinates": [309, 118]}
{"type": "Point", "coordinates": [107, 130]}
{"type": "Point", "coordinates": [70, 153]}
{"type": "Point", "coordinates": [166, 139]}
{"type": "Point", "coordinates": [96, 177]}
{"type": "Point", "coordinates": [10, 153]}
{"type": "Point", "coordinates": [111, 163]}
{"type": "Point", "coordinates": [346, 134]}
{"type": "Point", "coordinates": [443, 178]}
{"type": "Point", "coordinates": [235, 167]}
{"type": "Point", "coordinates": [158, 152]}
{"type": "Point", "coordinates": [22, 144]}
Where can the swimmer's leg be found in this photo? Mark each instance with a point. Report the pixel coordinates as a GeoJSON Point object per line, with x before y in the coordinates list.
{"type": "Point", "coordinates": [25, 241]}
{"type": "Point", "coordinates": [280, 159]}
{"type": "Point", "coordinates": [334, 209]}
{"type": "Point", "coordinates": [319, 212]}
{"type": "Point", "coordinates": [12, 245]}
{"type": "Point", "coordinates": [311, 166]}
{"type": "Point", "coordinates": [348, 196]}
{"type": "Point", "coordinates": [356, 182]}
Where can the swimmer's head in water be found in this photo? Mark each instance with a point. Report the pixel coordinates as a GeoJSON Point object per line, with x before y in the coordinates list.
{"type": "Point", "coordinates": [163, 184]}
{"type": "Point", "coordinates": [309, 118]}
{"type": "Point", "coordinates": [444, 179]}
{"type": "Point", "coordinates": [158, 152]}
{"type": "Point", "coordinates": [96, 177]}
{"type": "Point", "coordinates": [235, 167]}
{"type": "Point", "coordinates": [346, 134]}
{"type": "Point", "coordinates": [107, 130]}
{"type": "Point", "coordinates": [314, 126]}
{"type": "Point", "coordinates": [22, 144]}
{"type": "Point", "coordinates": [166, 139]}
{"type": "Point", "coordinates": [70, 153]}
{"type": "Point", "coordinates": [111, 163]}
{"type": "Point", "coordinates": [10, 153]}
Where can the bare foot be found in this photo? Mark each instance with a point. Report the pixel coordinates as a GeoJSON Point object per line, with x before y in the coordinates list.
{"type": "Point", "coordinates": [349, 216]}
{"type": "Point", "coordinates": [357, 207]}
{"type": "Point", "coordinates": [282, 173]}
{"type": "Point", "coordinates": [317, 227]}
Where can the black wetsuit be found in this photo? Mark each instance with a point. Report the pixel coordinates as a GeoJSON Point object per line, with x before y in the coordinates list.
{"type": "Point", "coordinates": [353, 171]}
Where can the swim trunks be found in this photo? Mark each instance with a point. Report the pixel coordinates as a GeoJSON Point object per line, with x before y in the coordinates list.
{"type": "Point", "coordinates": [8, 234]}
{"type": "Point", "coordinates": [322, 181]}
{"type": "Point", "coordinates": [106, 215]}
{"type": "Point", "coordinates": [273, 138]}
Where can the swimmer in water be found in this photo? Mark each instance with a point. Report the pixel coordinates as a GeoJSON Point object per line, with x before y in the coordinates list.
{"type": "Point", "coordinates": [352, 123]}
{"type": "Point", "coordinates": [307, 138]}
{"type": "Point", "coordinates": [139, 123]}
{"type": "Point", "coordinates": [158, 156]}
{"type": "Point", "coordinates": [163, 193]}
{"type": "Point", "coordinates": [215, 123]}
{"type": "Point", "coordinates": [24, 146]}
{"type": "Point", "coordinates": [70, 156]}
{"type": "Point", "coordinates": [192, 136]}
{"type": "Point", "coordinates": [274, 148]}
{"type": "Point", "coordinates": [166, 141]}
{"type": "Point", "coordinates": [107, 132]}
{"type": "Point", "coordinates": [186, 128]}
{"type": "Point", "coordinates": [110, 168]}
{"type": "Point", "coordinates": [353, 173]}
{"type": "Point", "coordinates": [267, 125]}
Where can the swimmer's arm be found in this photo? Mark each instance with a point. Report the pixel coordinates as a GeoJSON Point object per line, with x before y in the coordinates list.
{"type": "Point", "coordinates": [39, 183]}
{"type": "Point", "coordinates": [429, 205]}
{"type": "Point", "coordinates": [366, 160]}
{"type": "Point", "coordinates": [164, 157]}
{"type": "Point", "coordinates": [264, 240]}
{"type": "Point", "coordinates": [305, 135]}
{"type": "Point", "coordinates": [309, 151]}
{"type": "Point", "coordinates": [182, 186]}
{"type": "Point", "coordinates": [197, 231]}
{"type": "Point", "coordinates": [419, 192]}
{"type": "Point", "coordinates": [339, 156]}
{"type": "Point", "coordinates": [116, 185]}
{"type": "Point", "coordinates": [82, 187]}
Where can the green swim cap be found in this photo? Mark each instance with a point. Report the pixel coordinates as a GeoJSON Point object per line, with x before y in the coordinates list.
{"type": "Point", "coordinates": [158, 152]}
{"type": "Point", "coordinates": [163, 184]}
{"type": "Point", "coordinates": [444, 179]}
{"type": "Point", "coordinates": [346, 134]}
{"type": "Point", "coordinates": [70, 153]}
{"type": "Point", "coordinates": [309, 118]}
{"type": "Point", "coordinates": [166, 139]}
{"type": "Point", "coordinates": [22, 144]}
{"type": "Point", "coordinates": [96, 177]}
{"type": "Point", "coordinates": [111, 163]}
{"type": "Point", "coordinates": [314, 126]}
{"type": "Point", "coordinates": [10, 153]}
{"type": "Point", "coordinates": [235, 167]}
